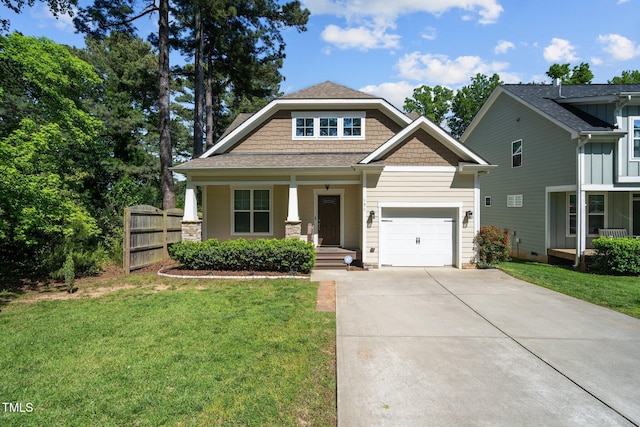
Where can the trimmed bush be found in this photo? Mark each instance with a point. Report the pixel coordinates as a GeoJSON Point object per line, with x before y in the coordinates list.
{"type": "Point", "coordinates": [492, 246]}
{"type": "Point", "coordinates": [281, 255]}
{"type": "Point", "coordinates": [617, 255]}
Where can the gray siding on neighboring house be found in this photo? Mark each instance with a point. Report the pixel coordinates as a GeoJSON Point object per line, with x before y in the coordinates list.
{"type": "Point", "coordinates": [605, 112]}
{"type": "Point", "coordinates": [618, 209]}
{"type": "Point", "coordinates": [548, 159]}
{"type": "Point", "coordinates": [599, 163]}
{"type": "Point", "coordinates": [628, 167]}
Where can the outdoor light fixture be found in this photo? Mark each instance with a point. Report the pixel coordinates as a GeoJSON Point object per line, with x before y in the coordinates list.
{"type": "Point", "coordinates": [372, 214]}
{"type": "Point", "coordinates": [469, 214]}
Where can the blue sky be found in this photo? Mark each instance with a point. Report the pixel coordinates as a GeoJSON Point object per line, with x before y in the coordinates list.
{"type": "Point", "coordinates": [389, 47]}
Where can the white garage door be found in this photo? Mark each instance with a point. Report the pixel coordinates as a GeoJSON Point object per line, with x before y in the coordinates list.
{"type": "Point", "coordinates": [417, 236]}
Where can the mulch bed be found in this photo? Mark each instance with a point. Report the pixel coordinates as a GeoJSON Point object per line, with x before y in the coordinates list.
{"type": "Point", "coordinates": [175, 270]}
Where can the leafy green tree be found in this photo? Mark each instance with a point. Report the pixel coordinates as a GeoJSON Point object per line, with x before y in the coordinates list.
{"type": "Point", "coordinates": [48, 141]}
{"type": "Point", "coordinates": [126, 101]}
{"type": "Point", "coordinates": [627, 77]}
{"type": "Point", "coordinates": [433, 103]}
{"type": "Point", "coordinates": [580, 74]}
{"type": "Point", "coordinates": [468, 100]}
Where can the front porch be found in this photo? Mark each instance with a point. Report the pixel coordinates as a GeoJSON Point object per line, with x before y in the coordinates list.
{"type": "Point", "coordinates": [568, 254]}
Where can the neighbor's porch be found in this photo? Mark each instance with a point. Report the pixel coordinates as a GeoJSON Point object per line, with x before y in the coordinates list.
{"type": "Point", "coordinates": [617, 211]}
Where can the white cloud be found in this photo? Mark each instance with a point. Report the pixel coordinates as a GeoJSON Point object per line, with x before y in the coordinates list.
{"type": "Point", "coordinates": [560, 50]}
{"type": "Point", "coordinates": [441, 70]}
{"type": "Point", "coordinates": [503, 46]}
{"type": "Point", "coordinates": [622, 1]}
{"type": "Point", "coordinates": [486, 11]}
{"type": "Point", "coordinates": [362, 38]}
{"type": "Point", "coordinates": [395, 93]}
{"type": "Point", "coordinates": [619, 47]}
{"type": "Point", "coordinates": [429, 33]}
{"type": "Point", "coordinates": [62, 22]}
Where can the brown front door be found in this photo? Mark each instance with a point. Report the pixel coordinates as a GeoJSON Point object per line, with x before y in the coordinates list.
{"type": "Point", "coordinates": [329, 220]}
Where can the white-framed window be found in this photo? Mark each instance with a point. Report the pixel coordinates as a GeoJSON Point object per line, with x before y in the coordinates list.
{"type": "Point", "coordinates": [634, 137]}
{"type": "Point", "coordinates": [304, 127]}
{"type": "Point", "coordinates": [251, 211]}
{"type": "Point", "coordinates": [487, 201]}
{"type": "Point", "coordinates": [596, 213]}
{"type": "Point", "coordinates": [328, 125]}
{"type": "Point", "coordinates": [516, 153]}
{"type": "Point", "coordinates": [572, 212]}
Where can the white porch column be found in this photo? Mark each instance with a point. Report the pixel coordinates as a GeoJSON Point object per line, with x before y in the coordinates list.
{"type": "Point", "coordinates": [191, 224]}
{"type": "Point", "coordinates": [190, 203]}
{"type": "Point", "coordinates": [293, 224]}
{"type": "Point", "coordinates": [292, 213]}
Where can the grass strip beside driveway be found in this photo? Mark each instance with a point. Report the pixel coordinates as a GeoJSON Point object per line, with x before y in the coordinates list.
{"type": "Point", "coordinates": [620, 293]}
{"type": "Point", "coordinates": [198, 353]}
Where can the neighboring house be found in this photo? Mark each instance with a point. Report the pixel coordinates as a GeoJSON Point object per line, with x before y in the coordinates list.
{"type": "Point", "coordinates": [340, 168]}
{"type": "Point", "coordinates": [568, 165]}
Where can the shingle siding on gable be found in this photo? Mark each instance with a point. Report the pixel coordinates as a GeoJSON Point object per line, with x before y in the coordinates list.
{"type": "Point", "coordinates": [275, 136]}
{"type": "Point", "coordinates": [421, 149]}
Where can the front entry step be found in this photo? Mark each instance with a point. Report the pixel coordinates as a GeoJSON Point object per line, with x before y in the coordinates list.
{"type": "Point", "coordinates": [332, 258]}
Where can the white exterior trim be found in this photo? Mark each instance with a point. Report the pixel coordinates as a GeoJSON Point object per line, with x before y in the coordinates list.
{"type": "Point", "coordinates": [420, 169]}
{"type": "Point", "coordinates": [190, 203]}
{"type": "Point", "coordinates": [420, 204]}
{"type": "Point", "coordinates": [242, 186]}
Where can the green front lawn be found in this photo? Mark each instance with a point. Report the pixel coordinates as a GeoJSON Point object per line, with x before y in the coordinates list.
{"type": "Point", "coordinates": [187, 353]}
{"type": "Point", "coordinates": [615, 292]}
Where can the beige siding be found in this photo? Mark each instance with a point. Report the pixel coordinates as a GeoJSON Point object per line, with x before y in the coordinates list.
{"type": "Point", "coordinates": [420, 187]}
{"type": "Point", "coordinates": [218, 213]}
{"type": "Point", "coordinates": [275, 136]}
{"type": "Point", "coordinates": [422, 149]}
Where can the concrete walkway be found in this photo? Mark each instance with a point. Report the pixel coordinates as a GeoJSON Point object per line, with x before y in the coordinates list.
{"type": "Point", "coordinates": [446, 347]}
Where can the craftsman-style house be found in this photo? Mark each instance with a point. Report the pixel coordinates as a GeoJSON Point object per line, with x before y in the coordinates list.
{"type": "Point", "coordinates": [343, 169]}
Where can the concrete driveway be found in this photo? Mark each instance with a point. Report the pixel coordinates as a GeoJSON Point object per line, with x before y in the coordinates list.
{"type": "Point", "coordinates": [441, 347]}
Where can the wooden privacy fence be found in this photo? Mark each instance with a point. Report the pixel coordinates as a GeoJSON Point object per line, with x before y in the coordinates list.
{"type": "Point", "coordinates": [147, 233]}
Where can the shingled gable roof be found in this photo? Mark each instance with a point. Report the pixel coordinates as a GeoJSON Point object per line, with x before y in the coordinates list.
{"type": "Point", "coordinates": [438, 133]}
{"type": "Point", "coordinates": [329, 90]}
{"type": "Point", "coordinates": [321, 96]}
{"type": "Point", "coordinates": [557, 103]}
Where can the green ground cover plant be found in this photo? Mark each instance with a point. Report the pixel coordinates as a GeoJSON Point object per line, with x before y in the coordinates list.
{"type": "Point", "coordinates": [177, 352]}
{"type": "Point", "coordinates": [618, 293]}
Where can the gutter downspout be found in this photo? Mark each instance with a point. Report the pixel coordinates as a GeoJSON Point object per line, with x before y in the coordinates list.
{"type": "Point", "coordinates": [581, 216]}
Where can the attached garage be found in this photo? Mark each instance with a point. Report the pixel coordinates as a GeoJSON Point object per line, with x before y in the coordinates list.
{"type": "Point", "coordinates": [411, 237]}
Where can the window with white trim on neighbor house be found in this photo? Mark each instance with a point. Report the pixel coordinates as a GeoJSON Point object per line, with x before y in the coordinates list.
{"type": "Point", "coordinates": [251, 211]}
{"type": "Point", "coordinates": [634, 133]}
{"type": "Point", "coordinates": [516, 153]}
{"type": "Point", "coordinates": [596, 213]}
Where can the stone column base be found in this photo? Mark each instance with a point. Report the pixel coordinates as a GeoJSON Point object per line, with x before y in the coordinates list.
{"type": "Point", "coordinates": [191, 231]}
{"type": "Point", "coordinates": [293, 229]}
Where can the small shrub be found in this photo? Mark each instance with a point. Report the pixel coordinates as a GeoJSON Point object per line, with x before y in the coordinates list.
{"type": "Point", "coordinates": [492, 246]}
{"type": "Point", "coordinates": [69, 271]}
{"type": "Point", "coordinates": [617, 255]}
{"type": "Point", "coordinates": [282, 255]}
